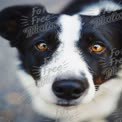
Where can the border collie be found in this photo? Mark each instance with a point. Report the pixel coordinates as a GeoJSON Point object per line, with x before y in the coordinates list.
{"type": "Point", "coordinates": [70, 63]}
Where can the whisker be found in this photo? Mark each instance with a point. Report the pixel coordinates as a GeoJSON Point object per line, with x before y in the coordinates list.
{"type": "Point", "coordinates": [23, 19]}
{"type": "Point", "coordinates": [103, 63]}
{"type": "Point", "coordinates": [36, 67]}
{"type": "Point", "coordinates": [24, 22]}
{"type": "Point", "coordinates": [92, 72]}
{"type": "Point", "coordinates": [25, 16]}
{"type": "Point", "coordinates": [105, 66]}
{"type": "Point", "coordinates": [34, 72]}
{"type": "Point", "coordinates": [102, 58]}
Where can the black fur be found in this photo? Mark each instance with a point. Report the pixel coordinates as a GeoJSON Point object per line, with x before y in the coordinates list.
{"type": "Point", "coordinates": [12, 28]}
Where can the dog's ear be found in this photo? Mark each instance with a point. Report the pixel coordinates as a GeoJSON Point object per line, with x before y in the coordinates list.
{"type": "Point", "coordinates": [13, 19]}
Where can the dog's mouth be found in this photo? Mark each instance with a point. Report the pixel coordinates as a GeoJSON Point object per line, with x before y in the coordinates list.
{"type": "Point", "coordinates": [63, 103]}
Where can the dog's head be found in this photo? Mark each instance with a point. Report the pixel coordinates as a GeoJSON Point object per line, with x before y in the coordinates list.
{"type": "Point", "coordinates": [67, 56]}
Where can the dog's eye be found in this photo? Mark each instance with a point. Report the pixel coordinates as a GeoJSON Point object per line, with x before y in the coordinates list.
{"type": "Point", "coordinates": [97, 48]}
{"type": "Point", "coordinates": [42, 46]}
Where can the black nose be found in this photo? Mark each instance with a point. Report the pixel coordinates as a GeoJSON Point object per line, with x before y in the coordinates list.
{"type": "Point", "coordinates": [69, 89]}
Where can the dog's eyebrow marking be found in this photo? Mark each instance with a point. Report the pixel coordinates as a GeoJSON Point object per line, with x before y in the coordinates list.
{"type": "Point", "coordinates": [97, 8]}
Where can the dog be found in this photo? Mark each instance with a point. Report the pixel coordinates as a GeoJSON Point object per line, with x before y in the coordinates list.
{"type": "Point", "coordinates": [69, 63]}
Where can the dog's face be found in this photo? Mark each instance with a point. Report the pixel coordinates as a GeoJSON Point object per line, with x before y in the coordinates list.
{"type": "Point", "coordinates": [68, 60]}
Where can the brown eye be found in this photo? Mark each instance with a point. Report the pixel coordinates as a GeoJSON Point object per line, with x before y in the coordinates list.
{"type": "Point", "coordinates": [97, 48]}
{"type": "Point", "coordinates": [42, 46]}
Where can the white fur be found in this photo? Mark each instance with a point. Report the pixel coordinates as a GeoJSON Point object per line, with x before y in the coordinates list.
{"type": "Point", "coordinates": [96, 9]}
{"type": "Point", "coordinates": [103, 104]}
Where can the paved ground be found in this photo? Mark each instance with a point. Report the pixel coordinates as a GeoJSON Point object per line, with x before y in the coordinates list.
{"type": "Point", "coordinates": [12, 94]}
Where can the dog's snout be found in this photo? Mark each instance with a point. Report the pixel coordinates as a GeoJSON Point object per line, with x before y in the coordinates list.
{"type": "Point", "coordinates": [69, 89]}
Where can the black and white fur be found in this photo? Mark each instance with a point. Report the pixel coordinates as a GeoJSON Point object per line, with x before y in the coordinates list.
{"type": "Point", "coordinates": [69, 46]}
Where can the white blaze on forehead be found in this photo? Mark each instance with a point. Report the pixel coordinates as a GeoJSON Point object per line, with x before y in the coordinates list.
{"type": "Point", "coordinates": [67, 52]}
{"type": "Point", "coordinates": [71, 26]}
{"type": "Point", "coordinates": [70, 29]}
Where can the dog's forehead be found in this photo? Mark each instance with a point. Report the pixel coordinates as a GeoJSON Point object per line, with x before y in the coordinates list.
{"type": "Point", "coordinates": [70, 27]}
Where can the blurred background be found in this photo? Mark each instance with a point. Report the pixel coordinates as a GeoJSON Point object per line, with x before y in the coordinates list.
{"type": "Point", "coordinates": [15, 103]}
